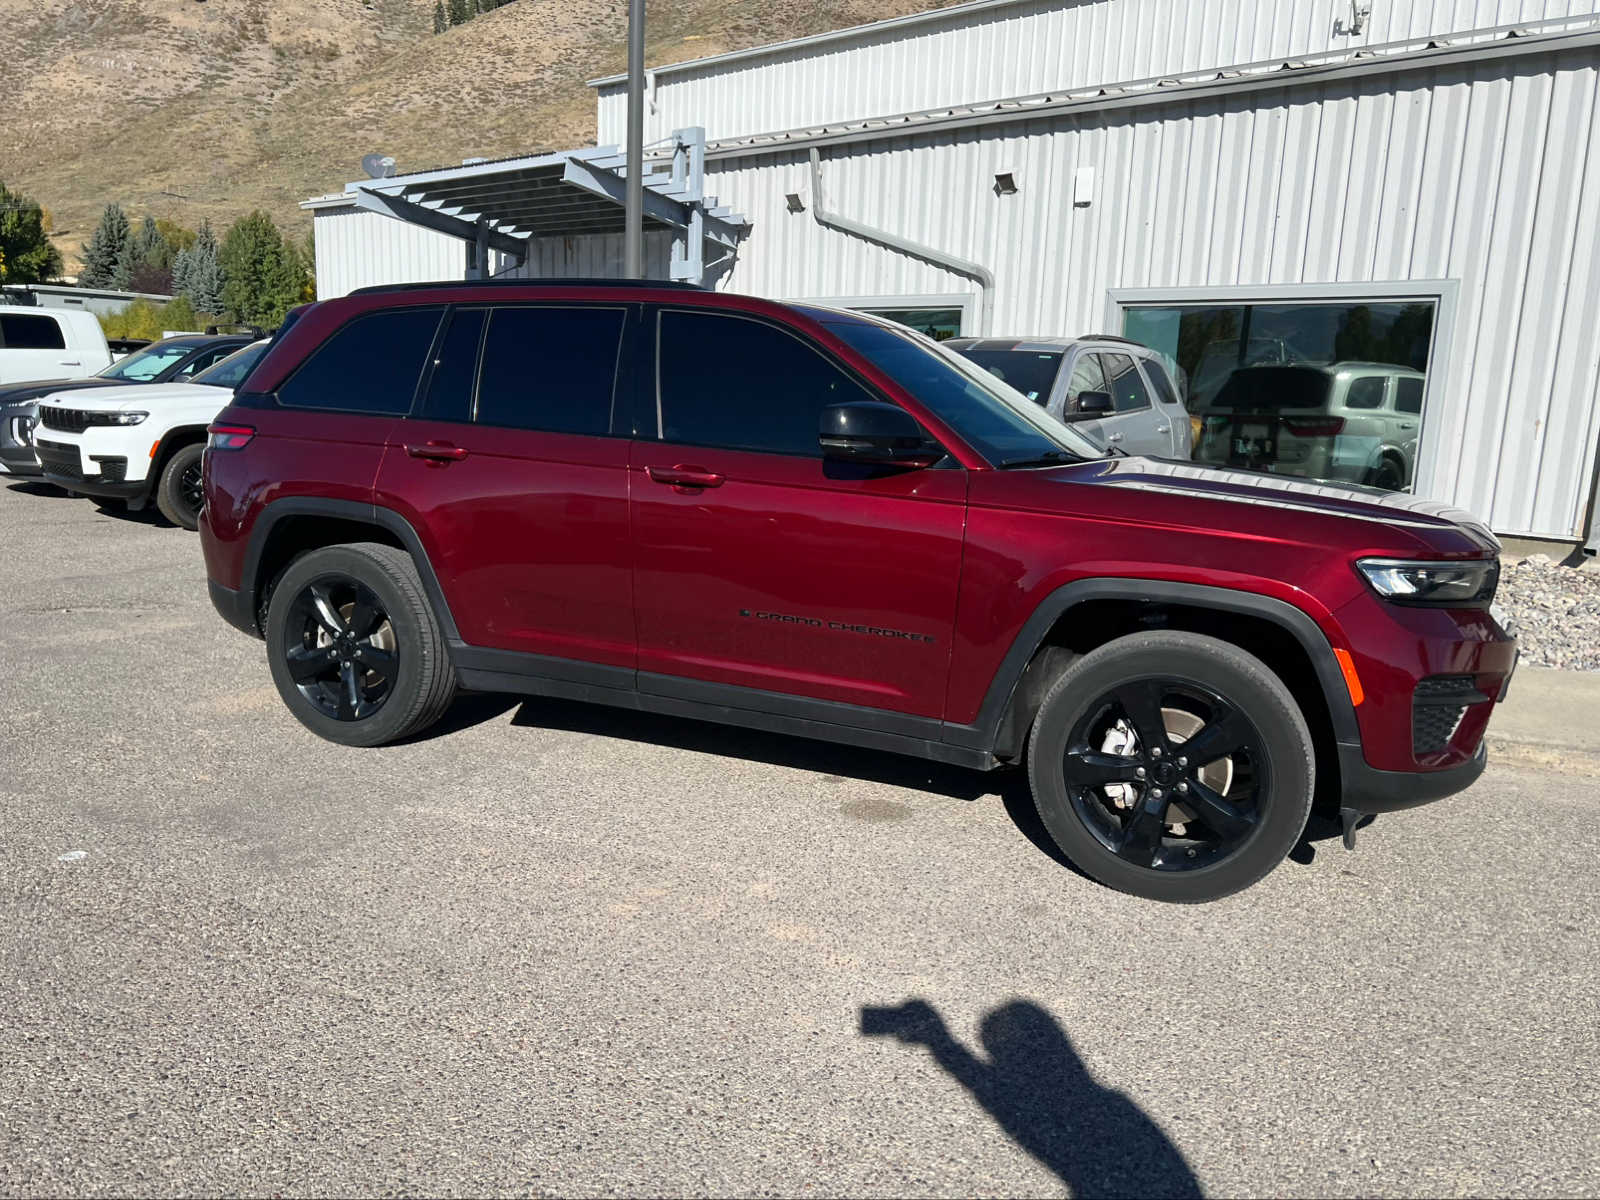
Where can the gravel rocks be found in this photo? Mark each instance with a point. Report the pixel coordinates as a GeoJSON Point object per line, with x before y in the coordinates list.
{"type": "Point", "coordinates": [1553, 610]}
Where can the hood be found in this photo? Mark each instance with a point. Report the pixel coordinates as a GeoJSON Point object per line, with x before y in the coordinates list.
{"type": "Point", "coordinates": [1424, 524]}
{"type": "Point", "coordinates": [27, 393]}
{"type": "Point", "coordinates": [139, 396]}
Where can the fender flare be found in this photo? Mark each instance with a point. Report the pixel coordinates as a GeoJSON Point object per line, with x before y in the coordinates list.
{"type": "Point", "coordinates": [984, 732]}
{"type": "Point", "coordinates": [345, 510]}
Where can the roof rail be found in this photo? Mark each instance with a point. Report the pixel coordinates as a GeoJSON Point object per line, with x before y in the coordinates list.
{"type": "Point", "coordinates": [1110, 337]}
{"type": "Point", "coordinates": [558, 281]}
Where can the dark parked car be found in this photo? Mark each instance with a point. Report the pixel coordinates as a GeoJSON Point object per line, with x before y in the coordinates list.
{"type": "Point", "coordinates": [811, 521]}
{"type": "Point", "coordinates": [171, 360]}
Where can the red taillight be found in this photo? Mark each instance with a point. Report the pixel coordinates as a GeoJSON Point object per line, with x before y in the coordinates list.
{"type": "Point", "coordinates": [1314, 426]}
{"type": "Point", "coordinates": [230, 437]}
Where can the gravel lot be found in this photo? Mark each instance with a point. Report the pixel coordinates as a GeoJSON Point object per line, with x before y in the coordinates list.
{"type": "Point", "coordinates": [1554, 611]}
{"type": "Point", "coordinates": [560, 950]}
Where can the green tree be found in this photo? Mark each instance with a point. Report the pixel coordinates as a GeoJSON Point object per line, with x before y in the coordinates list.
{"type": "Point", "coordinates": [441, 22]}
{"type": "Point", "coordinates": [26, 253]}
{"type": "Point", "coordinates": [197, 273]}
{"type": "Point", "coordinates": [460, 11]}
{"type": "Point", "coordinates": [106, 248]}
{"type": "Point", "coordinates": [180, 316]}
{"type": "Point", "coordinates": [263, 276]}
{"type": "Point", "coordinates": [150, 259]}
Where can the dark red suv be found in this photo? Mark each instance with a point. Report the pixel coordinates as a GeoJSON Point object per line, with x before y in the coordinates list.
{"type": "Point", "coordinates": [805, 520]}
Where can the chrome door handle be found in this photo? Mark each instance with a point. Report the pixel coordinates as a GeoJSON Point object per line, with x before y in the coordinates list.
{"type": "Point", "coordinates": [1163, 428]}
{"type": "Point", "coordinates": [1113, 437]}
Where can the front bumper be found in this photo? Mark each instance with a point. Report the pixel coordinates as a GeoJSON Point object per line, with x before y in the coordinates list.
{"type": "Point", "coordinates": [1369, 790]}
{"type": "Point", "coordinates": [74, 466]}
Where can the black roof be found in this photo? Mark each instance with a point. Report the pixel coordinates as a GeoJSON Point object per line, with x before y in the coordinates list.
{"type": "Point", "coordinates": [562, 281]}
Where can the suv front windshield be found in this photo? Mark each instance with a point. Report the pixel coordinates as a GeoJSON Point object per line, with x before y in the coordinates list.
{"type": "Point", "coordinates": [230, 372]}
{"type": "Point", "coordinates": [144, 365]}
{"type": "Point", "coordinates": [994, 418]}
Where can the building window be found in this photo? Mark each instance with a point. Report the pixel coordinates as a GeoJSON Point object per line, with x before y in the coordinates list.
{"type": "Point", "coordinates": [937, 323]}
{"type": "Point", "coordinates": [1323, 390]}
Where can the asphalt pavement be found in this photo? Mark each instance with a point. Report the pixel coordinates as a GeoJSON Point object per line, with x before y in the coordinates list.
{"type": "Point", "coordinates": [556, 949]}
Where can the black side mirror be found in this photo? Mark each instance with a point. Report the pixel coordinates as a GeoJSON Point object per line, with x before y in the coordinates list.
{"type": "Point", "coordinates": [872, 432]}
{"type": "Point", "coordinates": [1091, 406]}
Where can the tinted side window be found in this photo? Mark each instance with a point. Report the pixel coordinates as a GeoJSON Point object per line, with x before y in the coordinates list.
{"type": "Point", "coordinates": [1128, 392]}
{"type": "Point", "coordinates": [552, 369]}
{"type": "Point", "coordinates": [734, 382]}
{"type": "Point", "coordinates": [22, 332]}
{"type": "Point", "coordinates": [1159, 381]}
{"type": "Point", "coordinates": [370, 365]}
{"type": "Point", "coordinates": [455, 370]}
{"type": "Point", "coordinates": [205, 359]}
{"type": "Point", "coordinates": [1408, 395]}
{"type": "Point", "coordinates": [1086, 377]}
{"type": "Point", "coordinates": [1365, 393]}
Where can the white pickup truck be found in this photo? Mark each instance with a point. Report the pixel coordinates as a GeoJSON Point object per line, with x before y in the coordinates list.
{"type": "Point", "coordinates": [49, 343]}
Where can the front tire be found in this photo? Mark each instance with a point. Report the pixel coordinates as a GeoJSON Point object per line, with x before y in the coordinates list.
{"type": "Point", "coordinates": [1173, 766]}
{"type": "Point", "coordinates": [178, 493]}
{"type": "Point", "coordinates": [354, 647]}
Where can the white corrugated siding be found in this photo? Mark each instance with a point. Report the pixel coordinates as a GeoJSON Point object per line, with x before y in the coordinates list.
{"type": "Point", "coordinates": [359, 249]}
{"type": "Point", "coordinates": [970, 54]}
{"type": "Point", "coordinates": [1488, 175]}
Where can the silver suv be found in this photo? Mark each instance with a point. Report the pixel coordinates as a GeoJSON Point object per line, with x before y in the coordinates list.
{"type": "Point", "coordinates": [1355, 422]}
{"type": "Point", "coordinates": [1120, 393]}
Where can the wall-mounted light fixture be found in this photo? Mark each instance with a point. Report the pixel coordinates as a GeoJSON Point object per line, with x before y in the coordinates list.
{"type": "Point", "coordinates": [1005, 182]}
{"type": "Point", "coordinates": [796, 202]}
{"type": "Point", "coordinates": [1083, 187]}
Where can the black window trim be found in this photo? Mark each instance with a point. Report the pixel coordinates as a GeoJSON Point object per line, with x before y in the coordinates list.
{"type": "Point", "coordinates": [822, 352]}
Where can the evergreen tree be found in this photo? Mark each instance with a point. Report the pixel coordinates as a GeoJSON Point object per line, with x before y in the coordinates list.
{"type": "Point", "coordinates": [440, 21]}
{"type": "Point", "coordinates": [150, 258]}
{"type": "Point", "coordinates": [26, 253]}
{"type": "Point", "coordinates": [202, 273]}
{"type": "Point", "coordinates": [460, 11]}
{"type": "Point", "coordinates": [105, 248]}
{"type": "Point", "coordinates": [263, 274]}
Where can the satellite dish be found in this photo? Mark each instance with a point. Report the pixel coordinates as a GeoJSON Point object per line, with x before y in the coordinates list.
{"type": "Point", "coordinates": [378, 166]}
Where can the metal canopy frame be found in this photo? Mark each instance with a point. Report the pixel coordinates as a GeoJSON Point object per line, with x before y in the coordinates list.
{"type": "Point", "coordinates": [505, 205]}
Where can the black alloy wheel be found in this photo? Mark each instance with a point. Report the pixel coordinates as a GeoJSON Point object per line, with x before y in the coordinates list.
{"type": "Point", "coordinates": [1165, 774]}
{"type": "Point", "coordinates": [191, 490]}
{"type": "Point", "coordinates": [1172, 765]}
{"type": "Point", "coordinates": [340, 649]}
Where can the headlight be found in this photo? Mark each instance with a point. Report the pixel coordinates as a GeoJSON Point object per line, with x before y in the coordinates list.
{"type": "Point", "coordinates": [1468, 584]}
{"type": "Point", "coordinates": [119, 418]}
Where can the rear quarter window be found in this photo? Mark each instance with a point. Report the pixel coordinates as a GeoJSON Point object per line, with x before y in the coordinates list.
{"type": "Point", "coordinates": [370, 365]}
{"type": "Point", "coordinates": [23, 331]}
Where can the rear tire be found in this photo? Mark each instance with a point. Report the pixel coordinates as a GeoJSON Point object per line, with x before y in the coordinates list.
{"type": "Point", "coordinates": [354, 647]}
{"type": "Point", "coordinates": [1117, 791]}
{"type": "Point", "coordinates": [178, 491]}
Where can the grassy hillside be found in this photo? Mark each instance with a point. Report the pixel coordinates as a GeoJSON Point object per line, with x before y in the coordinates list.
{"type": "Point", "coordinates": [208, 108]}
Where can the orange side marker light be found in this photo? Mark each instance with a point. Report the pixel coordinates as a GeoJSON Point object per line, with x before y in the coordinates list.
{"type": "Point", "coordinates": [1351, 679]}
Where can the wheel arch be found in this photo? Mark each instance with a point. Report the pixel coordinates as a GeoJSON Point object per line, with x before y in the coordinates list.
{"type": "Point", "coordinates": [171, 442]}
{"type": "Point", "coordinates": [294, 525]}
{"type": "Point", "coordinates": [1087, 612]}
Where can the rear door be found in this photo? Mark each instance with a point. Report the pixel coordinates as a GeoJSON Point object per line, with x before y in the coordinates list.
{"type": "Point", "coordinates": [513, 479]}
{"type": "Point", "coordinates": [761, 565]}
{"type": "Point", "coordinates": [1169, 406]}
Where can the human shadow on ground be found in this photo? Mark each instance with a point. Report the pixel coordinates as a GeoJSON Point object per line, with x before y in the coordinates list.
{"type": "Point", "coordinates": [1010, 784]}
{"type": "Point", "coordinates": [1032, 1082]}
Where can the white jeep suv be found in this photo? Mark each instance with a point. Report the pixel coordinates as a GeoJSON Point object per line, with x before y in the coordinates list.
{"type": "Point", "coordinates": [139, 443]}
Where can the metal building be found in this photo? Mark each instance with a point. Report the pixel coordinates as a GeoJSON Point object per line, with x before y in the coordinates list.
{"type": "Point", "coordinates": [1237, 182]}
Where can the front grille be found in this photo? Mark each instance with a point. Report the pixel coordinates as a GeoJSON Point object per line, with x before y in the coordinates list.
{"type": "Point", "coordinates": [1437, 707]}
{"type": "Point", "coordinates": [56, 459]}
{"type": "Point", "coordinates": [65, 420]}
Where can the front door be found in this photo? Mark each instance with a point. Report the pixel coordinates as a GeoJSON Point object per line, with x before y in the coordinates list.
{"type": "Point", "coordinates": [1135, 425]}
{"type": "Point", "coordinates": [511, 476]}
{"type": "Point", "coordinates": [759, 564]}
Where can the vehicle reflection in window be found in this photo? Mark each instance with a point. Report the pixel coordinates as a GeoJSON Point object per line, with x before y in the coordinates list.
{"type": "Point", "coordinates": [1316, 390]}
